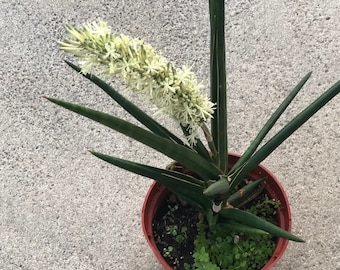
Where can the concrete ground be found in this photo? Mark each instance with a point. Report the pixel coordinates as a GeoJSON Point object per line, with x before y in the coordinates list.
{"type": "Point", "coordinates": [61, 208]}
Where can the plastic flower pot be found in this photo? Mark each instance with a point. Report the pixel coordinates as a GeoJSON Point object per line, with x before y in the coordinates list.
{"type": "Point", "coordinates": [157, 194]}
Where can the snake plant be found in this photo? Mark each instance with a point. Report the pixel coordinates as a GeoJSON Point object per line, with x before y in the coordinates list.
{"type": "Point", "coordinates": [176, 92]}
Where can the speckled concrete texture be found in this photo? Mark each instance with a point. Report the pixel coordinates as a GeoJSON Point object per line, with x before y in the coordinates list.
{"type": "Point", "coordinates": [61, 208]}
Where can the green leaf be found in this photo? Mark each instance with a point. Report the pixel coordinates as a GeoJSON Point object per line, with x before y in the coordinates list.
{"type": "Point", "coordinates": [286, 131]}
{"type": "Point", "coordinates": [242, 193]}
{"type": "Point", "coordinates": [137, 113]}
{"type": "Point", "coordinates": [220, 187]}
{"type": "Point", "coordinates": [187, 187]}
{"type": "Point", "coordinates": [180, 153]}
{"type": "Point", "coordinates": [235, 226]}
{"type": "Point", "coordinates": [270, 123]}
{"type": "Point", "coordinates": [254, 221]}
{"type": "Point", "coordinates": [218, 92]}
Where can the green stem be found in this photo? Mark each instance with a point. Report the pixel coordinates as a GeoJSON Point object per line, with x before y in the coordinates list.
{"type": "Point", "coordinates": [199, 146]}
{"type": "Point", "coordinates": [210, 141]}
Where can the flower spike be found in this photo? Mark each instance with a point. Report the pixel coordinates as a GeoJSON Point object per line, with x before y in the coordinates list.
{"type": "Point", "coordinates": [174, 91]}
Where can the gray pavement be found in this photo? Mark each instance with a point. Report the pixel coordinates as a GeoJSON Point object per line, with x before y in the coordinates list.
{"type": "Point", "coordinates": [61, 208]}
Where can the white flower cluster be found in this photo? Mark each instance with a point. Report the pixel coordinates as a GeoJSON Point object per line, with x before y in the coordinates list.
{"type": "Point", "coordinates": [174, 91]}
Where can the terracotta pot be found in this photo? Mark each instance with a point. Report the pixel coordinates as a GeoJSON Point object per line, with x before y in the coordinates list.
{"type": "Point", "coordinates": [157, 193]}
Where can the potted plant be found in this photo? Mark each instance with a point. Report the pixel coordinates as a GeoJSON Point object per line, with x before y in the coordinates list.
{"type": "Point", "coordinates": [217, 186]}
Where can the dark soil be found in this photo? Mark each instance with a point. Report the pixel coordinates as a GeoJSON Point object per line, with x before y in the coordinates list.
{"type": "Point", "coordinates": [177, 213]}
{"type": "Point", "coordinates": [185, 216]}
